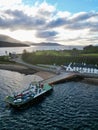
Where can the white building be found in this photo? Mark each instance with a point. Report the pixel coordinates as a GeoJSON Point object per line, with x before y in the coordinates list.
{"type": "Point", "coordinates": [82, 68]}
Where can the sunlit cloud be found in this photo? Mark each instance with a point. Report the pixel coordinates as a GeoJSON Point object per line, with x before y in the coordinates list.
{"type": "Point", "coordinates": [44, 22]}
{"type": "Point", "coordinates": [7, 4]}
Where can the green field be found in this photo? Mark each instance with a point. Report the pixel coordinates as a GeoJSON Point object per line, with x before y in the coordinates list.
{"type": "Point", "coordinates": [90, 55]}
{"type": "Point", "coordinates": [60, 57]}
{"type": "Point", "coordinates": [5, 60]}
{"type": "Point", "coordinates": [52, 53]}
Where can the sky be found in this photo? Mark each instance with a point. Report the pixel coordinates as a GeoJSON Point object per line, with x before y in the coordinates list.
{"type": "Point", "coordinates": [67, 22]}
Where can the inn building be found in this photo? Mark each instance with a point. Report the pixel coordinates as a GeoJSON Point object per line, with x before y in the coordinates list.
{"type": "Point", "coordinates": [81, 68]}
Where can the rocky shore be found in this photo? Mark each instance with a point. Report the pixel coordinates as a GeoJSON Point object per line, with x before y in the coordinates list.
{"type": "Point", "coordinates": [43, 74]}
{"type": "Point", "coordinates": [25, 70]}
{"type": "Point", "coordinates": [93, 81]}
{"type": "Point", "coordinates": [17, 68]}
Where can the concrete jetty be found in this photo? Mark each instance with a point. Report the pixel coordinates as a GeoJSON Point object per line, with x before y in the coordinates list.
{"type": "Point", "coordinates": [68, 76]}
{"type": "Point", "coordinates": [60, 78]}
{"type": "Point", "coordinates": [63, 76]}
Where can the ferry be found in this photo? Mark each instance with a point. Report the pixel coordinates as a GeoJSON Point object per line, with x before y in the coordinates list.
{"type": "Point", "coordinates": [33, 93]}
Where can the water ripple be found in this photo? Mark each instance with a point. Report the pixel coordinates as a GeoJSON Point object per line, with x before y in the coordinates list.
{"type": "Point", "coordinates": [71, 106]}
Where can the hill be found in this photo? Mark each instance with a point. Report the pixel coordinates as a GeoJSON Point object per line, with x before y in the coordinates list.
{"type": "Point", "coordinates": [6, 41]}
{"type": "Point", "coordinates": [45, 44]}
{"type": "Point", "coordinates": [6, 38]}
{"type": "Point", "coordinates": [9, 44]}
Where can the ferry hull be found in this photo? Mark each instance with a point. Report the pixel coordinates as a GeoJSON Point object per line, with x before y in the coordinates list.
{"type": "Point", "coordinates": [32, 101]}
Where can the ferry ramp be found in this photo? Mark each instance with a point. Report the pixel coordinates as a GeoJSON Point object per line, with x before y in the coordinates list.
{"type": "Point", "coordinates": [60, 78]}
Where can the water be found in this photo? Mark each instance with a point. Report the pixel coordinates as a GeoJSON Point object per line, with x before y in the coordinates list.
{"type": "Point", "coordinates": [19, 50]}
{"type": "Point", "coordinates": [71, 106]}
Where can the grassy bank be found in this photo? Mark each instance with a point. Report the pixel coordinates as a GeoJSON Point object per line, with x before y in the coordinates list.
{"type": "Point", "coordinates": [60, 57]}
{"type": "Point", "coordinates": [5, 60]}
{"type": "Point", "coordinates": [7, 64]}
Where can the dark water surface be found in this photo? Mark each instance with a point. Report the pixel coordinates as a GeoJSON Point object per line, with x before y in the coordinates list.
{"type": "Point", "coordinates": [71, 106]}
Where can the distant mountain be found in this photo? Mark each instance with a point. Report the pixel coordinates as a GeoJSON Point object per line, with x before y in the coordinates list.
{"type": "Point", "coordinates": [6, 41]}
{"type": "Point", "coordinates": [10, 44]}
{"type": "Point", "coordinates": [6, 38]}
{"type": "Point", "coordinates": [45, 44]}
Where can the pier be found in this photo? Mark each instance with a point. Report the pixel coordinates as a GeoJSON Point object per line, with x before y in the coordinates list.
{"type": "Point", "coordinates": [60, 78]}
{"type": "Point", "coordinates": [63, 76]}
{"type": "Point", "coordinates": [68, 76]}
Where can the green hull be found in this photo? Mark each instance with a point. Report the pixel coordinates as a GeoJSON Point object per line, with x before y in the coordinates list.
{"type": "Point", "coordinates": [10, 99]}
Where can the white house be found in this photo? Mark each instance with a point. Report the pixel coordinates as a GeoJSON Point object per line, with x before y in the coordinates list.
{"type": "Point", "coordinates": [82, 68]}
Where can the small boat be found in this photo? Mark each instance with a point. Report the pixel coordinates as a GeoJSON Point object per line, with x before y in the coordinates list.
{"type": "Point", "coordinates": [34, 93]}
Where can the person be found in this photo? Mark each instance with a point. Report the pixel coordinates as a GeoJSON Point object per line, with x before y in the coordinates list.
{"type": "Point", "coordinates": [41, 85]}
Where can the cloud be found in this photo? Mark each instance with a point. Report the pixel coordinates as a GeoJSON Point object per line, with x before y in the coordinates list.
{"type": "Point", "coordinates": [48, 22]}
{"type": "Point", "coordinates": [46, 34]}
{"type": "Point", "coordinates": [83, 16]}
{"type": "Point", "coordinates": [46, 17]}
{"type": "Point", "coordinates": [57, 22]}
{"type": "Point", "coordinates": [90, 25]}
{"type": "Point", "coordinates": [18, 19]}
{"type": "Point", "coordinates": [94, 26]}
{"type": "Point", "coordinates": [7, 4]}
{"type": "Point", "coordinates": [45, 10]}
{"type": "Point", "coordinates": [26, 17]}
{"type": "Point", "coordinates": [79, 21]}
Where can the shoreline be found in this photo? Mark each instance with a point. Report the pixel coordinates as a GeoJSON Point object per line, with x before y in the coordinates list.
{"type": "Point", "coordinates": [17, 68]}
{"type": "Point", "coordinates": [27, 71]}
{"type": "Point", "coordinates": [43, 74]}
{"type": "Point", "coordinates": [93, 81]}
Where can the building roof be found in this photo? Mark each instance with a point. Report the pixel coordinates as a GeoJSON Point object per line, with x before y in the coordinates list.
{"type": "Point", "coordinates": [83, 65]}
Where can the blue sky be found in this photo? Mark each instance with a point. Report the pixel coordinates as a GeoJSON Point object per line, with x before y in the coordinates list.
{"type": "Point", "coordinates": [69, 5]}
{"type": "Point", "coordinates": [68, 22]}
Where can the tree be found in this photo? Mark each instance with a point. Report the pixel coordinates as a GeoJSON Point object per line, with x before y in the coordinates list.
{"type": "Point", "coordinates": [74, 52]}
